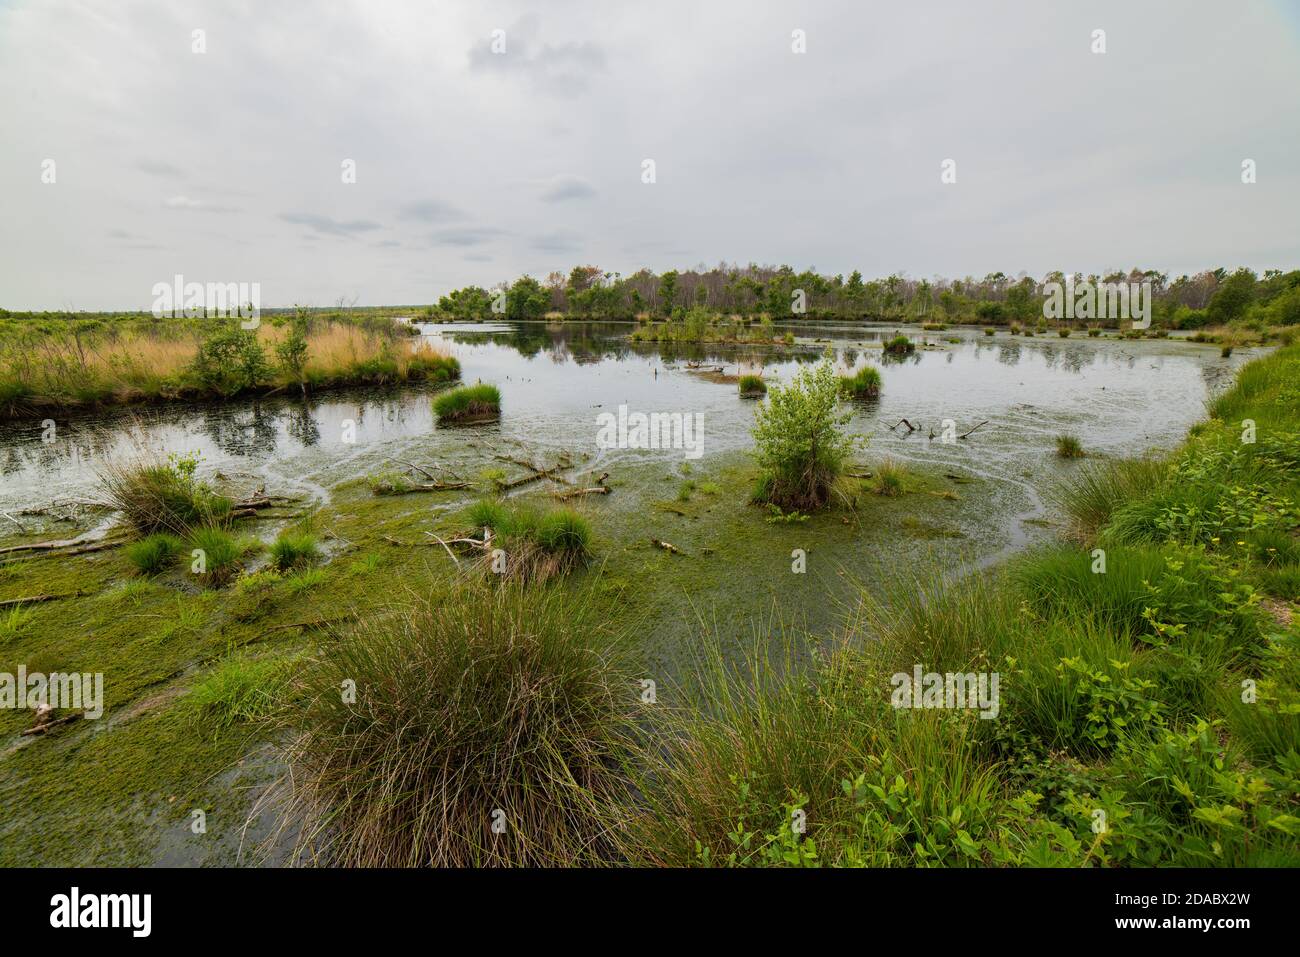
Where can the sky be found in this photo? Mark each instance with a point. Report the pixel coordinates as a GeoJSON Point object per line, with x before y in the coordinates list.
{"type": "Point", "coordinates": [475, 165]}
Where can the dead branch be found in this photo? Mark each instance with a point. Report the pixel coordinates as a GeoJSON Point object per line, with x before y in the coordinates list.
{"type": "Point", "coordinates": [964, 434]}
{"type": "Point", "coordinates": [45, 726]}
{"type": "Point", "coordinates": [32, 599]}
{"type": "Point", "coordinates": [910, 427]}
{"type": "Point", "coordinates": [600, 488]}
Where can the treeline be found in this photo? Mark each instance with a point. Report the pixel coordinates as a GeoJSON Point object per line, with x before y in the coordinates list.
{"type": "Point", "coordinates": [1212, 297]}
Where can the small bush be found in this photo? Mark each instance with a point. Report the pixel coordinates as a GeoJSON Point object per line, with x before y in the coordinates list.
{"type": "Point", "coordinates": [989, 332]}
{"type": "Point", "coordinates": [752, 385]}
{"type": "Point", "coordinates": [800, 445]}
{"type": "Point", "coordinates": [1063, 332]}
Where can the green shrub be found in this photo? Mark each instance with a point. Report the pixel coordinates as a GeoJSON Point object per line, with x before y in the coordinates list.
{"type": "Point", "coordinates": [800, 446]}
{"type": "Point", "coordinates": [752, 385]}
{"type": "Point", "coordinates": [230, 360]}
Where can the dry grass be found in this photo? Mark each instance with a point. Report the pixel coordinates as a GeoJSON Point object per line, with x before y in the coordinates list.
{"type": "Point", "coordinates": [151, 361]}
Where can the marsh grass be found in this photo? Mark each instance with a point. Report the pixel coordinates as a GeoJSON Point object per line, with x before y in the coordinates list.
{"type": "Point", "coordinates": [899, 345]}
{"type": "Point", "coordinates": [752, 386]}
{"type": "Point", "coordinates": [1069, 446]}
{"type": "Point", "coordinates": [490, 705]}
{"type": "Point", "coordinates": [1090, 495]}
{"type": "Point", "coordinates": [863, 384]}
{"type": "Point", "coordinates": [537, 543]}
{"type": "Point", "coordinates": [294, 549]}
{"type": "Point", "coordinates": [220, 555]}
{"type": "Point", "coordinates": [162, 495]}
{"type": "Point", "coordinates": [468, 403]}
{"type": "Point", "coordinates": [239, 688]}
{"type": "Point", "coordinates": [154, 553]}
{"type": "Point", "coordinates": [889, 478]}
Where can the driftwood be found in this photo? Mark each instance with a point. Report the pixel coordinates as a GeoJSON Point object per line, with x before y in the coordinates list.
{"type": "Point", "coordinates": [666, 546]}
{"type": "Point", "coordinates": [600, 488]}
{"type": "Point", "coordinates": [79, 545]}
{"type": "Point", "coordinates": [33, 599]}
{"type": "Point", "coordinates": [537, 471]}
{"type": "Point", "coordinates": [964, 434]}
{"type": "Point", "coordinates": [910, 427]}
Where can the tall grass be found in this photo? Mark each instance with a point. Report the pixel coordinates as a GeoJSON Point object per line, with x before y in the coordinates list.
{"type": "Point", "coordinates": [863, 384]}
{"type": "Point", "coordinates": [487, 729]}
{"type": "Point", "coordinates": [162, 495]}
{"type": "Point", "coordinates": [70, 364]}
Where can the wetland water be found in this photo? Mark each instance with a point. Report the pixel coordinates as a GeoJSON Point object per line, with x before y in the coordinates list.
{"type": "Point", "coordinates": [1121, 397]}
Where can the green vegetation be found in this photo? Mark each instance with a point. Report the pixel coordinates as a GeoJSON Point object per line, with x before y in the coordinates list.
{"type": "Point", "coordinates": [1141, 686]}
{"type": "Point", "coordinates": [889, 478]}
{"type": "Point", "coordinates": [496, 705]}
{"type": "Point", "coordinates": [863, 384]}
{"type": "Point", "coordinates": [752, 386]}
{"type": "Point", "coordinates": [293, 550]}
{"type": "Point", "coordinates": [219, 555]}
{"type": "Point", "coordinates": [1069, 447]}
{"type": "Point", "coordinates": [239, 688]}
{"type": "Point", "coordinates": [900, 345]}
{"type": "Point", "coordinates": [800, 445]}
{"type": "Point", "coordinates": [468, 403]}
{"type": "Point", "coordinates": [1219, 298]}
{"type": "Point", "coordinates": [154, 553]}
{"type": "Point", "coordinates": [155, 495]}
{"type": "Point", "coordinates": [70, 362]}
{"type": "Point", "coordinates": [537, 544]}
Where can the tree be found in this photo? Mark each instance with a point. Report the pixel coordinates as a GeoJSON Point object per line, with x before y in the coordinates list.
{"type": "Point", "coordinates": [526, 299]}
{"type": "Point", "coordinates": [667, 291]}
{"type": "Point", "coordinates": [292, 350]}
{"type": "Point", "coordinates": [1233, 297]}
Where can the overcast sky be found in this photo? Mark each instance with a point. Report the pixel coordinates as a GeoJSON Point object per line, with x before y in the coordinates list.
{"type": "Point", "coordinates": [474, 166]}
